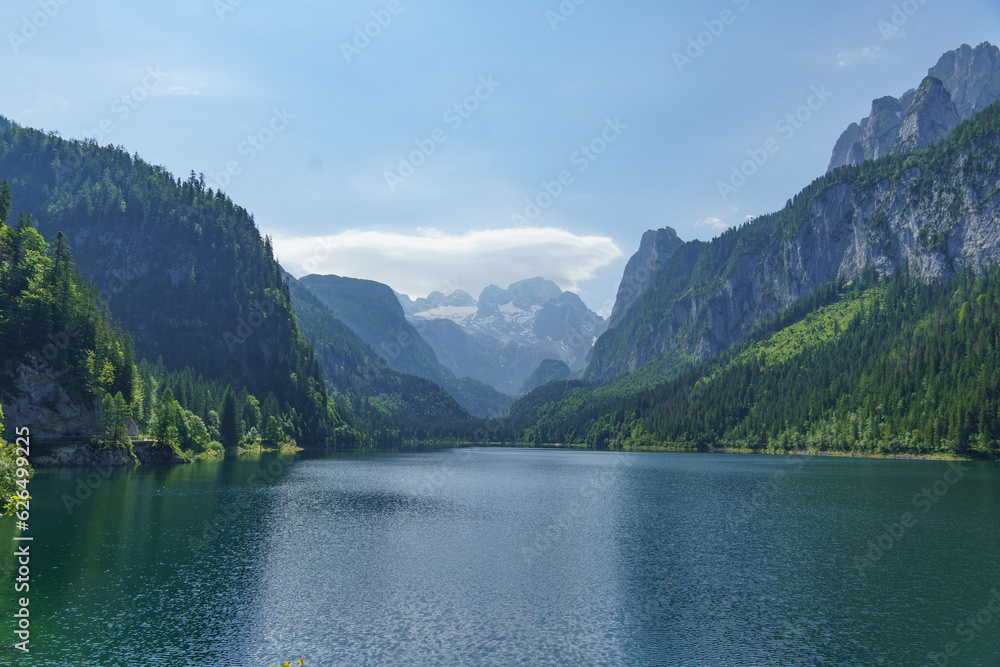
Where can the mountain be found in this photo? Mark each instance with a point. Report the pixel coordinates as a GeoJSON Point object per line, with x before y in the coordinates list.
{"type": "Point", "coordinates": [862, 317]}
{"type": "Point", "coordinates": [550, 370]}
{"type": "Point", "coordinates": [437, 300]}
{"type": "Point", "coordinates": [502, 337]}
{"type": "Point", "coordinates": [182, 268]}
{"type": "Point", "coordinates": [930, 118]}
{"type": "Point", "coordinates": [885, 366]}
{"type": "Point", "coordinates": [61, 353]}
{"type": "Point", "coordinates": [972, 76]}
{"type": "Point", "coordinates": [656, 247]}
{"type": "Point", "coordinates": [388, 408]}
{"type": "Point", "coordinates": [373, 312]}
{"type": "Point", "coordinates": [960, 85]}
{"type": "Point", "coordinates": [932, 213]}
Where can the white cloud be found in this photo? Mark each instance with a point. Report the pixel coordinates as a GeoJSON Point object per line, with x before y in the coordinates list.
{"type": "Point", "coordinates": [714, 224]}
{"type": "Point", "coordinates": [426, 260]}
{"type": "Point", "coordinates": [845, 58]}
{"type": "Point", "coordinates": [184, 84]}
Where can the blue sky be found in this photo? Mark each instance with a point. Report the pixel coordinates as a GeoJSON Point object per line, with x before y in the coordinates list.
{"type": "Point", "coordinates": [265, 99]}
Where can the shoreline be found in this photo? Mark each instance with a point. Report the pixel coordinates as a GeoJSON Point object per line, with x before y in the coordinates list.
{"type": "Point", "coordinates": [666, 449]}
{"type": "Point", "coordinates": [811, 453]}
{"type": "Point", "coordinates": [82, 455]}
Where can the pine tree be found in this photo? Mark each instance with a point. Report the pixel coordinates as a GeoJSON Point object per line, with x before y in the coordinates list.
{"type": "Point", "coordinates": [229, 426]}
{"type": "Point", "coordinates": [165, 421]}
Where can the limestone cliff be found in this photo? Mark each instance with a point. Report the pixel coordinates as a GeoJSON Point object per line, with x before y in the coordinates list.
{"type": "Point", "coordinates": [969, 81]}
{"type": "Point", "coordinates": [933, 213]}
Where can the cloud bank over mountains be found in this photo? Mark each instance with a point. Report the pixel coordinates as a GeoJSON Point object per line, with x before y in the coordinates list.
{"type": "Point", "coordinates": [426, 260]}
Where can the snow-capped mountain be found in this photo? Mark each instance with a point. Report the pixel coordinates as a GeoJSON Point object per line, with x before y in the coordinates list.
{"type": "Point", "coordinates": [504, 335]}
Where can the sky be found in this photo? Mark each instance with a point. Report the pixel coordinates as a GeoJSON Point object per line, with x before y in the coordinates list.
{"type": "Point", "coordinates": [439, 145]}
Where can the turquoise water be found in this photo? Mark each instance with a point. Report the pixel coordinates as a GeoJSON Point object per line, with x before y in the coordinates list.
{"type": "Point", "coordinates": [514, 557]}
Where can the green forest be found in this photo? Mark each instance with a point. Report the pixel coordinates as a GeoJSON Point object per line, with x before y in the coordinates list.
{"type": "Point", "coordinates": [55, 330]}
{"type": "Point", "coordinates": [188, 275]}
{"type": "Point", "coordinates": [171, 322]}
{"type": "Point", "coordinates": [879, 367]}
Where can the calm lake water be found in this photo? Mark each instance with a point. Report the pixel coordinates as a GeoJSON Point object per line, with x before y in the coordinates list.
{"type": "Point", "coordinates": [515, 557]}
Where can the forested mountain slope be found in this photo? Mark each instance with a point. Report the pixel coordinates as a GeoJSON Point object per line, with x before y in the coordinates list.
{"type": "Point", "coordinates": [894, 367]}
{"type": "Point", "coordinates": [932, 213]}
{"type": "Point", "coordinates": [61, 353]}
{"type": "Point", "coordinates": [183, 268]}
{"type": "Point", "coordinates": [388, 407]}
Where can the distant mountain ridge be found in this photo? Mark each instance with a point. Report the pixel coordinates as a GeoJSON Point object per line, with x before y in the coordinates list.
{"type": "Point", "coordinates": [502, 337]}
{"type": "Point", "coordinates": [373, 312]}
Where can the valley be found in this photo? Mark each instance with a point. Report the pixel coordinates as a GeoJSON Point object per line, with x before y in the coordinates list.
{"type": "Point", "coordinates": [615, 370]}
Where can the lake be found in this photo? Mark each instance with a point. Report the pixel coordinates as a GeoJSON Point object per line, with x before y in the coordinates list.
{"type": "Point", "coordinates": [515, 557]}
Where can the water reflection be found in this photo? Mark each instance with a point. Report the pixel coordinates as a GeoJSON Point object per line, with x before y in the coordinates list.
{"type": "Point", "coordinates": [508, 557]}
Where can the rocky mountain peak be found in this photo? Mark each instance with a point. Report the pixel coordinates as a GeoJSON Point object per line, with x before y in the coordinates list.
{"type": "Point", "coordinates": [524, 295]}
{"type": "Point", "coordinates": [970, 82]}
{"type": "Point", "coordinates": [568, 314]}
{"type": "Point", "coordinates": [458, 298]}
{"type": "Point", "coordinates": [883, 127]}
{"type": "Point", "coordinates": [930, 118]}
{"type": "Point", "coordinates": [656, 247]}
{"type": "Point", "coordinates": [971, 76]}
{"type": "Point", "coordinates": [501, 338]}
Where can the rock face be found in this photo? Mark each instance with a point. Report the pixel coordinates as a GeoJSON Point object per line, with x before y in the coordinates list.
{"type": "Point", "coordinates": [937, 217]}
{"type": "Point", "coordinates": [655, 249]}
{"type": "Point", "coordinates": [971, 76]}
{"type": "Point", "coordinates": [880, 131]}
{"type": "Point", "coordinates": [929, 120]}
{"type": "Point", "coordinates": [85, 456]}
{"type": "Point", "coordinates": [842, 150]}
{"type": "Point", "coordinates": [969, 82]}
{"type": "Point", "coordinates": [372, 311]}
{"type": "Point", "coordinates": [40, 402]}
{"type": "Point", "coordinates": [501, 338]}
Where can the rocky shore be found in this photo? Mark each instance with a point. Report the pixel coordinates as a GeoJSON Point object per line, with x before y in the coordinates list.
{"type": "Point", "coordinates": [81, 455]}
